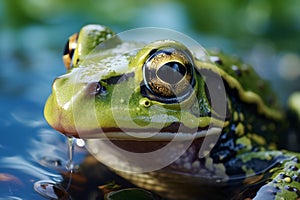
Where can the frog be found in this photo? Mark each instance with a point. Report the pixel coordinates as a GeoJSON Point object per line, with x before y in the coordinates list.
{"type": "Point", "coordinates": [143, 95]}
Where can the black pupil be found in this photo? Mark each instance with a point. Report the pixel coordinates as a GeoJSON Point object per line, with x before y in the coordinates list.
{"type": "Point", "coordinates": [171, 72]}
{"type": "Point", "coordinates": [66, 49]}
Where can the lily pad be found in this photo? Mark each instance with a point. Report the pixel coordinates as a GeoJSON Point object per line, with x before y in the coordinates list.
{"type": "Point", "coordinates": [129, 194]}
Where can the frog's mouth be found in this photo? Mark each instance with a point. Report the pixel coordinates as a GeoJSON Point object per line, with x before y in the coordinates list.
{"type": "Point", "coordinates": [175, 131]}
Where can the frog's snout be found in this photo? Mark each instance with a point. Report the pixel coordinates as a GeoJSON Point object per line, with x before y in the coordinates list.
{"type": "Point", "coordinates": [58, 108]}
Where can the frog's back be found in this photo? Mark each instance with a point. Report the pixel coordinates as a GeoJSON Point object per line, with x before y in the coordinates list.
{"type": "Point", "coordinates": [256, 119]}
{"type": "Point", "coordinates": [246, 76]}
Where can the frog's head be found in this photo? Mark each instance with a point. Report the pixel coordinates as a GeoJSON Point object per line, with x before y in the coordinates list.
{"type": "Point", "coordinates": [130, 90]}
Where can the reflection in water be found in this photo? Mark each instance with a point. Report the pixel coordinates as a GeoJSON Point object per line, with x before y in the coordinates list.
{"type": "Point", "coordinates": [21, 165]}
{"type": "Point", "coordinates": [51, 190]}
{"type": "Point", "coordinates": [7, 177]}
{"type": "Point", "coordinates": [10, 198]}
{"type": "Point", "coordinates": [27, 121]}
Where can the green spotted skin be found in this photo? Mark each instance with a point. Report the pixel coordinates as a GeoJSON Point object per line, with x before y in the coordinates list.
{"type": "Point", "coordinates": [247, 146]}
{"type": "Point", "coordinates": [285, 180]}
{"type": "Point", "coordinates": [245, 163]}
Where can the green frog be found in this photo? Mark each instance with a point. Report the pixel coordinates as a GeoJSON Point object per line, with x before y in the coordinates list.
{"type": "Point", "coordinates": [222, 118]}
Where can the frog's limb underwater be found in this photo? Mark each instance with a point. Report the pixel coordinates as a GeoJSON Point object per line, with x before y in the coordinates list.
{"type": "Point", "coordinates": [243, 163]}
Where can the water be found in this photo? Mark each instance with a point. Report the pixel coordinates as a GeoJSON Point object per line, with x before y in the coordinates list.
{"type": "Point", "coordinates": [51, 189]}
{"type": "Point", "coordinates": [30, 151]}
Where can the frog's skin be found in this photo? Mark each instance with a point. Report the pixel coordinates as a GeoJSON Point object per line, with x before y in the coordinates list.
{"type": "Point", "coordinates": [243, 164]}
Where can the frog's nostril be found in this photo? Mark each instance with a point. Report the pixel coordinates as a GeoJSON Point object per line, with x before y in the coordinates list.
{"type": "Point", "coordinates": [96, 88]}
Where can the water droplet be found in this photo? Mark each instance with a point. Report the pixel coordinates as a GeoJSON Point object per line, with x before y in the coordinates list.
{"type": "Point", "coordinates": [80, 142]}
{"type": "Point", "coordinates": [71, 145]}
{"type": "Point", "coordinates": [51, 190]}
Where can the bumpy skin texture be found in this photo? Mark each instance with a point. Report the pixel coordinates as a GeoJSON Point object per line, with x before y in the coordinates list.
{"type": "Point", "coordinates": [285, 180]}
{"type": "Point", "coordinates": [244, 161]}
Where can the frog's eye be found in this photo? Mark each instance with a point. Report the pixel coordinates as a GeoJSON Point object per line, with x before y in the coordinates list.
{"type": "Point", "coordinates": [168, 75]}
{"type": "Point", "coordinates": [69, 50]}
